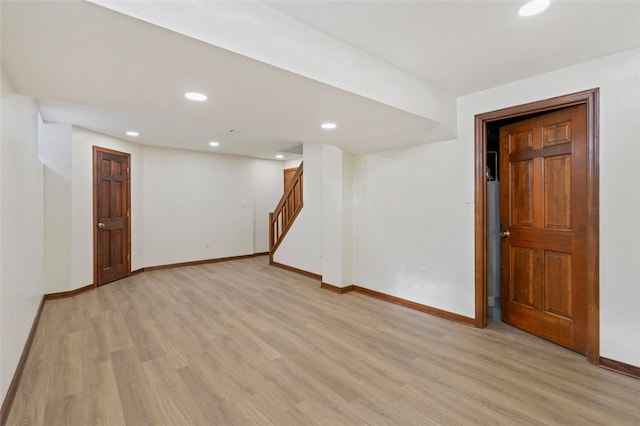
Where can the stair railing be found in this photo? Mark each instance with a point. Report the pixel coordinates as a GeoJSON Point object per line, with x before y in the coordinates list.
{"type": "Point", "coordinates": [285, 212]}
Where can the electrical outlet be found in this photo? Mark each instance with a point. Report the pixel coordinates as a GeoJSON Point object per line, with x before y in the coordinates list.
{"type": "Point", "coordinates": [424, 273]}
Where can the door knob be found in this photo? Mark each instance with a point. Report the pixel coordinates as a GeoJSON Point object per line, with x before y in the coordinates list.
{"type": "Point", "coordinates": [101, 225]}
{"type": "Point", "coordinates": [504, 234]}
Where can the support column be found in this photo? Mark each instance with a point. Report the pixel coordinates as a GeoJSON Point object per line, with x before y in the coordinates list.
{"type": "Point", "coordinates": [337, 217]}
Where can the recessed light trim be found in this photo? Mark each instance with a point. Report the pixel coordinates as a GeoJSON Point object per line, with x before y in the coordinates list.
{"type": "Point", "coordinates": [328, 126]}
{"type": "Point", "coordinates": [533, 7]}
{"type": "Point", "coordinates": [132, 133]}
{"type": "Point", "coordinates": [214, 143]}
{"type": "Point", "coordinates": [279, 156]}
{"type": "Point", "coordinates": [195, 96]}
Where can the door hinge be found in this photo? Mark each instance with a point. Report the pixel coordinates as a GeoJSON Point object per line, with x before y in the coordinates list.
{"type": "Point", "coordinates": [127, 170]}
{"type": "Point", "coordinates": [127, 213]}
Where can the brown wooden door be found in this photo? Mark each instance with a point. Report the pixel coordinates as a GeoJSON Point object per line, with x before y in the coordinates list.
{"type": "Point", "coordinates": [543, 200]}
{"type": "Point", "coordinates": [288, 176]}
{"type": "Point", "coordinates": [111, 215]}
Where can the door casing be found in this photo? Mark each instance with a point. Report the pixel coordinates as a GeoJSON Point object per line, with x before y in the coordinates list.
{"type": "Point", "coordinates": [591, 99]}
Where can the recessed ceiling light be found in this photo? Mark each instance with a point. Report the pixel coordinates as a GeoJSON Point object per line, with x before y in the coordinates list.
{"type": "Point", "coordinates": [195, 96]}
{"type": "Point", "coordinates": [132, 133]}
{"type": "Point", "coordinates": [279, 156]}
{"type": "Point", "coordinates": [214, 143]}
{"type": "Point", "coordinates": [328, 125]}
{"type": "Point", "coordinates": [533, 7]}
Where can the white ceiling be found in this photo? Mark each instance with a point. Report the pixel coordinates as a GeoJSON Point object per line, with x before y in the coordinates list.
{"type": "Point", "coordinates": [388, 73]}
{"type": "Point", "coordinates": [468, 46]}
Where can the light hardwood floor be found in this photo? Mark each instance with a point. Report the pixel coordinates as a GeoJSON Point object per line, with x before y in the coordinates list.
{"type": "Point", "coordinates": [244, 343]}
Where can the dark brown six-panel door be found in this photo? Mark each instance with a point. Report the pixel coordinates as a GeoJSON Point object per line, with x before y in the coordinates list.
{"type": "Point", "coordinates": [543, 201]}
{"type": "Point", "coordinates": [111, 215]}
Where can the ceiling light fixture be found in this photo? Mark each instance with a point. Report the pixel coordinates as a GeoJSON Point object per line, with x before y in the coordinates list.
{"type": "Point", "coordinates": [132, 133]}
{"type": "Point", "coordinates": [328, 125]}
{"type": "Point", "coordinates": [214, 143]}
{"type": "Point", "coordinates": [533, 7]}
{"type": "Point", "coordinates": [195, 96]}
{"type": "Point", "coordinates": [279, 156]}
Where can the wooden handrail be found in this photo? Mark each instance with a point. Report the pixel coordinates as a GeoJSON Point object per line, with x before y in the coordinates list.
{"type": "Point", "coordinates": [285, 212]}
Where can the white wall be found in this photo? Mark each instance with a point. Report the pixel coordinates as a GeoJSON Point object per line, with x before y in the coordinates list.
{"type": "Point", "coordinates": [197, 206]}
{"type": "Point", "coordinates": [21, 227]}
{"type": "Point", "coordinates": [82, 203]}
{"type": "Point", "coordinates": [54, 150]}
{"type": "Point", "coordinates": [411, 214]}
{"type": "Point", "coordinates": [302, 246]}
{"type": "Point", "coordinates": [267, 191]}
{"type": "Point", "coordinates": [290, 164]}
{"type": "Point", "coordinates": [5, 90]}
{"type": "Point", "coordinates": [413, 209]}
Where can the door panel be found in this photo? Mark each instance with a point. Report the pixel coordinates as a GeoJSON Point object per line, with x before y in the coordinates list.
{"type": "Point", "coordinates": [557, 192]}
{"type": "Point", "coordinates": [557, 284]}
{"type": "Point", "coordinates": [521, 183]}
{"type": "Point", "coordinates": [556, 133]}
{"type": "Point", "coordinates": [543, 259]}
{"type": "Point", "coordinates": [112, 201]}
{"type": "Point", "coordinates": [522, 275]}
{"type": "Point", "coordinates": [288, 176]}
{"type": "Point", "coordinates": [521, 141]}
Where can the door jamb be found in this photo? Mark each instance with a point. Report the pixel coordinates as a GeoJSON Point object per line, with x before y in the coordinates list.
{"type": "Point", "coordinates": [97, 149]}
{"type": "Point", "coordinates": [591, 99]}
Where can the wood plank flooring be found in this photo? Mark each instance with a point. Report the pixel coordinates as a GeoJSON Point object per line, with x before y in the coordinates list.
{"type": "Point", "coordinates": [242, 343]}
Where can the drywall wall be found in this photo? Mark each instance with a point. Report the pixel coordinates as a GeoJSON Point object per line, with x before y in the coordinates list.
{"type": "Point", "coordinates": [290, 164]}
{"type": "Point", "coordinates": [196, 206]}
{"type": "Point", "coordinates": [413, 225]}
{"type": "Point", "coordinates": [5, 90]}
{"type": "Point", "coordinates": [618, 77]}
{"type": "Point", "coordinates": [302, 245]}
{"type": "Point", "coordinates": [82, 203]}
{"type": "Point", "coordinates": [54, 150]}
{"type": "Point", "coordinates": [21, 227]}
{"type": "Point", "coordinates": [267, 191]}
